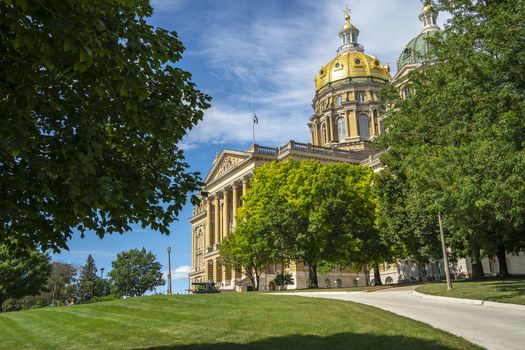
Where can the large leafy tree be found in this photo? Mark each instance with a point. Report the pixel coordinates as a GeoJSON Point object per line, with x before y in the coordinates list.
{"type": "Point", "coordinates": [135, 272]}
{"type": "Point", "coordinates": [60, 282]}
{"type": "Point", "coordinates": [24, 275]}
{"type": "Point", "coordinates": [315, 213]}
{"type": "Point", "coordinates": [92, 109]}
{"type": "Point", "coordinates": [457, 142]}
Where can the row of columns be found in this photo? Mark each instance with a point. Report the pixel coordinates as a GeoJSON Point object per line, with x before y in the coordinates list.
{"type": "Point", "coordinates": [219, 223]}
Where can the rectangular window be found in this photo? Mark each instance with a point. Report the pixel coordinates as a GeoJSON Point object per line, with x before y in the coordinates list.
{"type": "Point", "coordinates": [360, 96]}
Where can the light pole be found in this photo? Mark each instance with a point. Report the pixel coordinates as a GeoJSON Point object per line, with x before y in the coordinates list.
{"type": "Point", "coordinates": [445, 256]}
{"type": "Point", "coordinates": [101, 273]}
{"type": "Point", "coordinates": [169, 270]}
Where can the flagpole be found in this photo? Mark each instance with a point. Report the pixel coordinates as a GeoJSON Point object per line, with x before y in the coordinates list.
{"type": "Point", "coordinates": [253, 124]}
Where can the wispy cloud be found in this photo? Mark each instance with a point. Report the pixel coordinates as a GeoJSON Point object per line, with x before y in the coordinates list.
{"type": "Point", "coordinates": [275, 54]}
{"type": "Point", "coordinates": [94, 253]}
{"type": "Point", "coordinates": [179, 273]}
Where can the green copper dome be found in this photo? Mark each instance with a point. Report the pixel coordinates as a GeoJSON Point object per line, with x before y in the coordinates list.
{"type": "Point", "coordinates": [417, 51]}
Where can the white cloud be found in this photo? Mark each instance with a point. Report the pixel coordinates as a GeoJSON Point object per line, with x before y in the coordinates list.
{"type": "Point", "coordinates": [179, 273]}
{"type": "Point", "coordinates": [276, 55]}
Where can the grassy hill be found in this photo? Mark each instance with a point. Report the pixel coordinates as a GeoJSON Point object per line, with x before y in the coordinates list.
{"type": "Point", "coordinates": [222, 321]}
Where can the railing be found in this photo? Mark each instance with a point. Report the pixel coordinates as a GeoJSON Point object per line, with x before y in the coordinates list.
{"type": "Point", "coordinates": [309, 148]}
{"type": "Point", "coordinates": [264, 150]}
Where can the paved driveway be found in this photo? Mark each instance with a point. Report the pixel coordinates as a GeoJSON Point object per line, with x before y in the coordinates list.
{"type": "Point", "coordinates": [494, 328]}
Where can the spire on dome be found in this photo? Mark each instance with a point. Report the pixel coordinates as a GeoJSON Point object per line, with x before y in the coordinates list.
{"type": "Point", "coordinates": [428, 16]}
{"type": "Point", "coordinates": [349, 34]}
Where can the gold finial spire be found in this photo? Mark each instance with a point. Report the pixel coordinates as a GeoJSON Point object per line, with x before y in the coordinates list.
{"type": "Point", "coordinates": [347, 11]}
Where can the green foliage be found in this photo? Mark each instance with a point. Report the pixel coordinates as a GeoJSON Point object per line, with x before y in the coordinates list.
{"type": "Point", "coordinates": [87, 280]}
{"type": "Point", "coordinates": [92, 110]}
{"type": "Point", "coordinates": [283, 279]}
{"type": "Point", "coordinates": [457, 143]}
{"type": "Point", "coordinates": [24, 275]}
{"type": "Point", "coordinates": [135, 272]}
{"type": "Point", "coordinates": [314, 212]}
{"type": "Point", "coordinates": [60, 284]}
{"type": "Point", "coordinates": [247, 249]}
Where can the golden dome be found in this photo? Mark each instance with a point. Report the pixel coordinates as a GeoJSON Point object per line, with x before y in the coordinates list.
{"type": "Point", "coordinates": [352, 66]}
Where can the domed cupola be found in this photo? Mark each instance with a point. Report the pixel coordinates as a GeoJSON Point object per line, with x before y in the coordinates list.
{"type": "Point", "coordinates": [417, 51]}
{"type": "Point", "coordinates": [349, 34]}
{"type": "Point", "coordinates": [352, 64]}
{"type": "Point", "coordinates": [347, 102]}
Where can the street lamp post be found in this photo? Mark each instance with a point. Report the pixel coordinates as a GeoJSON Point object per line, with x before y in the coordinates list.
{"type": "Point", "coordinates": [445, 256]}
{"type": "Point", "coordinates": [169, 270]}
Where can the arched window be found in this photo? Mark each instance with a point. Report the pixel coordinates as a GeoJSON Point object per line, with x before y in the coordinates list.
{"type": "Point", "coordinates": [405, 92]}
{"type": "Point", "coordinates": [363, 121]}
{"type": "Point", "coordinates": [341, 132]}
{"type": "Point", "coordinates": [324, 134]}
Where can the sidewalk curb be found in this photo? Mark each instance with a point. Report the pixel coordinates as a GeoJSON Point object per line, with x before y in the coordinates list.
{"type": "Point", "coordinates": [471, 302]}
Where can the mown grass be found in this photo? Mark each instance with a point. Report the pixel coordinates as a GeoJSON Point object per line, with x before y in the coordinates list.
{"type": "Point", "coordinates": [222, 321]}
{"type": "Point", "coordinates": [500, 290]}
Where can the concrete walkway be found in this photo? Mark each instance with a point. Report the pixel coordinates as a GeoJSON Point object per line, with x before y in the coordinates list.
{"type": "Point", "coordinates": [493, 327]}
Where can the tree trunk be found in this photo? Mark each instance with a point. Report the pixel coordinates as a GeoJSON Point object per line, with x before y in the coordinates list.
{"type": "Point", "coordinates": [257, 279]}
{"type": "Point", "coordinates": [312, 276]}
{"type": "Point", "coordinates": [502, 260]}
{"type": "Point", "coordinates": [377, 275]}
{"type": "Point", "coordinates": [477, 267]}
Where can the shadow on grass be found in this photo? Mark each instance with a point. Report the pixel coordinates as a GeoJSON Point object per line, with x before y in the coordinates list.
{"type": "Point", "coordinates": [345, 341]}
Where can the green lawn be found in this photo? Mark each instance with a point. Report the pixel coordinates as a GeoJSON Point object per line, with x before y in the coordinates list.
{"type": "Point", "coordinates": [221, 321]}
{"type": "Point", "coordinates": [503, 291]}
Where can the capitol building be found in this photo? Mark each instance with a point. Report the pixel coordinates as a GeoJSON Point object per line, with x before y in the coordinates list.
{"type": "Point", "coordinates": [346, 119]}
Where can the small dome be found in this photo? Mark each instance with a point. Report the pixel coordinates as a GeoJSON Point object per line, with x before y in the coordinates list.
{"type": "Point", "coordinates": [352, 66]}
{"type": "Point", "coordinates": [416, 51]}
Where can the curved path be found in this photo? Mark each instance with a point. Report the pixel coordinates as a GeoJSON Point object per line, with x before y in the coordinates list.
{"type": "Point", "coordinates": [493, 327]}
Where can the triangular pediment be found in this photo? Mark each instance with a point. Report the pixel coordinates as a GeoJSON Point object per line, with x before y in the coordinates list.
{"type": "Point", "coordinates": [226, 161]}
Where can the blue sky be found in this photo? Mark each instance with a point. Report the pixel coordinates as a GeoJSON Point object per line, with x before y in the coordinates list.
{"type": "Point", "coordinates": [270, 48]}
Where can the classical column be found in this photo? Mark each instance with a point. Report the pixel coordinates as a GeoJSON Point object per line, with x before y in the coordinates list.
{"type": "Point", "coordinates": [235, 203]}
{"type": "Point", "coordinates": [333, 128]}
{"type": "Point", "coordinates": [208, 238]}
{"type": "Point", "coordinates": [217, 219]}
{"type": "Point", "coordinates": [226, 213]}
{"type": "Point", "coordinates": [244, 186]}
{"type": "Point", "coordinates": [352, 121]}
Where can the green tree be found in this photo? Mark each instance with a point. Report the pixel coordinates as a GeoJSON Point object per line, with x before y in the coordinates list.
{"type": "Point", "coordinates": [87, 280]}
{"type": "Point", "coordinates": [247, 250]}
{"type": "Point", "coordinates": [22, 276]}
{"type": "Point", "coordinates": [135, 272]}
{"type": "Point", "coordinates": [313, 212]}
{"type": "Point", "coordinates": [60, 281]}
{"type": "Point", "coordinates": [457, 141]}
{"type": "Point", "coordinates": [92, 110]}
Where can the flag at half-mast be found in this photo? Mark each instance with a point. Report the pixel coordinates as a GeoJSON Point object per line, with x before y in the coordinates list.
{"type": "Point", "coordinates": [255, 119]}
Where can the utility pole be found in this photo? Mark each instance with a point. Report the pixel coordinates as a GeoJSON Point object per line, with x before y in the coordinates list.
{"type": "Point", "coordinates": [169, 270]}
{"type": "Point", "coordinates": [445, 257]}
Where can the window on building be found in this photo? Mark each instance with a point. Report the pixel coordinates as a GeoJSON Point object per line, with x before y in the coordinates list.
{"type": "Point", "coordinates": [324, 134]}
{"type": "Point", "coordinates": [360, 96]}
{"type": "Point", "coordinates": [363, 122]}
{"type": "Point", "coordinates": [341, 132]}
{"type": "Point", "coordinates": [339, 100]}
{"type": "Point", "coordinates": [405, 92]}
